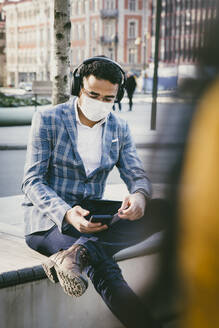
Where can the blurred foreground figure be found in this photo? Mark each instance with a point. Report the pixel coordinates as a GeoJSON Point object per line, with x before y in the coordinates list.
{"type": "Point", "coordinates": [190, 262]}
{"type": "Point", "coordinates": [199, 205]}
{"type": "Point", "coordinates": [199, 244]}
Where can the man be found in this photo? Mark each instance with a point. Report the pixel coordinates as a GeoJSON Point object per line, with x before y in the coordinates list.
{"type": "Point", "coordinates": [130, 88]}
{"type": "Point", "coordinates": [72, 149]}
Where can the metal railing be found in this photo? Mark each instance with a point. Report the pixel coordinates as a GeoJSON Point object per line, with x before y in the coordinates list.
{"type": "Point", "coordinates": [108, 39]}
{"type": "Point", "coordinates": [109, 13]}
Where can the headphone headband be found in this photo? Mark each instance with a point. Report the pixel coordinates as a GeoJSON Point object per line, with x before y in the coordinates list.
{"type": "Point", "coordinates": [98, 58]}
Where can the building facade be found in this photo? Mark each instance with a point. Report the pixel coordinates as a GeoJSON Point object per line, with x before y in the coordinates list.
{"type": "Point", "coordinates": [110, 27]}
{"type": "Point", "coordinates": [28, 41]}
{"type": "Point", "coordinates": [114, 28]}
{"type": "Point", "coordinates": [181, 31]}
{"type": "Point", "coordinates": [123, 30]}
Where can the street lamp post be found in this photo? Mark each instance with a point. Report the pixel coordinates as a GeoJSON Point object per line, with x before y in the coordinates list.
{"type": "Point", "coordinates": [155, 78]}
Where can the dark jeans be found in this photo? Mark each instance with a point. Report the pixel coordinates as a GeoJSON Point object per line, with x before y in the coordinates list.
{"type": "Point", "coordinates": [103, 271]}
{"type": "Point", "coordinates": [130, 101]}
{"type": "Point", "coordinates": [119, 105]}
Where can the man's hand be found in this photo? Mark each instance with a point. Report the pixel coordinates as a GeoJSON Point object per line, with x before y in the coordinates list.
{"type": "Point", "coordinates": [133, 207]}
{"type": "Point", "coordinates": [75, 216]}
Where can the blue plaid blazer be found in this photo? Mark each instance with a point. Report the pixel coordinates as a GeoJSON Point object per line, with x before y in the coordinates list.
{"type": "Point", "coordinates": [54, 174]}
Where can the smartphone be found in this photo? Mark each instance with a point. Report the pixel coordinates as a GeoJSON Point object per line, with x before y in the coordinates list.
{"type": "Point", "coordinates": [103, 218]}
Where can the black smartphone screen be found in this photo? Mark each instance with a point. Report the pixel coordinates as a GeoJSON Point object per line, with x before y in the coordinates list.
{"type": "Point", "coordinates": [103, 218]}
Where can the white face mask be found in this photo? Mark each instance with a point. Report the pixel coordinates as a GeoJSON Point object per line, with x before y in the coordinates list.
{"type": "Point", "coordinates": [94, 109]}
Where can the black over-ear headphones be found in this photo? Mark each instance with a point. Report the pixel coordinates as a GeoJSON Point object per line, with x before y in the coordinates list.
{"type": "Point", "coordinates": [77, 80]}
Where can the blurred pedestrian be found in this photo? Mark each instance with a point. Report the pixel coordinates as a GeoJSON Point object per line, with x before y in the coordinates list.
{"type": "Point", "coordinates": [119, 105]}
{"type": "Point", "coordinates": [130, 88]}
{"type": "Point", "coordinates": [144, 77]}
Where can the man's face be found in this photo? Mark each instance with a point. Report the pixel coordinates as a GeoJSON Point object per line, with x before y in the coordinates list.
{"type": "Point", "coordinates": [101, 90]}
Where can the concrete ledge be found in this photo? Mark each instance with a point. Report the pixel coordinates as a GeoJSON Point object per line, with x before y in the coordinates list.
{"type": "Point", "coordinates": [20, 255]}
{"type": "Point", "coordinates": [149, 246]}
{"type": "Point", "coordinates": [12, 278]}
{"type": "Point", "coordinates": [42, 304]}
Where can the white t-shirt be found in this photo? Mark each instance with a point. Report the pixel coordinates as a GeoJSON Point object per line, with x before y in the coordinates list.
{"type": "Point", "coordinates": [89, 143]}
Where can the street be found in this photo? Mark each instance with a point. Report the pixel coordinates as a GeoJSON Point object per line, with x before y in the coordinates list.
{"type": "Point", "coordinates": [156, 163]}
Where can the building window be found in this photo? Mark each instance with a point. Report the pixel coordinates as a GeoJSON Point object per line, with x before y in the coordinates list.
{"type": "Point", "coordinates": [83, 32]}
{"type": "Point", "coordinates": [79, 31]}
{"type": "Point", "coordinates": [72, 32]}
{"type": "Point", "coordinates": [48, 34]}
{"type": "Point", "coordinates": [108, 29]}
{"type": "Point", "coordinates": [76, 8]}
{"type": "Point", "coordinates": [41, 36]}
{"type": "Point", "coordinates": [94, 5]}
{"type": "Point", "coordinates": [11, 17]}
{"type": "Point", "coordinates": [78, 55]}
{"type": "Point", "coordinates": [109, 4]}
{"type": "Point", "coordinates": [82, 54]}
{"type": "Point", "coordinates": [76, 32]}
{"type": "Point", "coordinates": [83, 6]}
{"type": "Point", "coordinates": [94, 29]}
{"type": "Point", "coordinates": [110, 53]}
{"type": "Point", "coordinates": [132, 5]}
{"type": "Point", "coordinates": [132, 55]}
{"type": "Point", "coordinates": [72, 57]}
{"type": "Point", "coordinates": [132, 29]}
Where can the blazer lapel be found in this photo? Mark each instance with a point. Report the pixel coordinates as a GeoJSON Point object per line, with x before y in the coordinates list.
{"type": "Point", "coordinates": [69, 119]}
{"type": "Point", "coordinates": [107, 137]}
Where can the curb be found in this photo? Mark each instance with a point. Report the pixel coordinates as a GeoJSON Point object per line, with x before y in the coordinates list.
{"type": "Point", "coordinates": [168, 145]}
{"type": "Point", "coordinates": [13, 147]}
{"type": "Point", "coordinates": [149, 145]}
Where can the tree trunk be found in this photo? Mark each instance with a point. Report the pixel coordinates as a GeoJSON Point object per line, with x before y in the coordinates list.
{"type": "Point", "coordinates": [62, 28]}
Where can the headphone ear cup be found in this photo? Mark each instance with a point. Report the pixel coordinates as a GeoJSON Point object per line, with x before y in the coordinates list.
{"type": "Point", "coordinates": [120, 93]}
{"type": "Point", "coordinates": [75, 86]}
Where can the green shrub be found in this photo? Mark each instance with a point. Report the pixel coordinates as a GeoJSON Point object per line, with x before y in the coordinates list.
{"type": "Point", "coordinates": [17, 101]}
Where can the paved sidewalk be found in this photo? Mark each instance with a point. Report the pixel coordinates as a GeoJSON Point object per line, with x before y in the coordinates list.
{"type": "Point", "coordinates": [15, 137]}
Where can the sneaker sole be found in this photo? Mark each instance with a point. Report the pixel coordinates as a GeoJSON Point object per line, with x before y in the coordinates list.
{"type": "Point", "coordinates": [49, 269]}
{"type": "Point", "coordinates": [73, 285]}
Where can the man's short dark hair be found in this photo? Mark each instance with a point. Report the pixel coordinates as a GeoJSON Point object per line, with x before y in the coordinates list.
{"type": "Point", "coordinates": [102, 70]}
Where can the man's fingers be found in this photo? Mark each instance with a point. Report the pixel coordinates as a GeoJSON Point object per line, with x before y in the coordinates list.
{"type": "Point", "coordinates": [89, 227]}
{"type": "Point", "coordinates": [128, 210]}
{"type": "Point", "coordinates": [81, 211]}
{"type": "Point", "coordinates": [94, 229]}
{"type": "Point", "coordinates": [131, 213]}
{"type": "Point", "coordinates": [125, 204]}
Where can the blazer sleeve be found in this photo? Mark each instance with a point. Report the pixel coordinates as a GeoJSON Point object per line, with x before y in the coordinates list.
{"type": "Point", "coordinates": [130, 166]}
{"type": "Point", "coordinates": [35, 185]}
